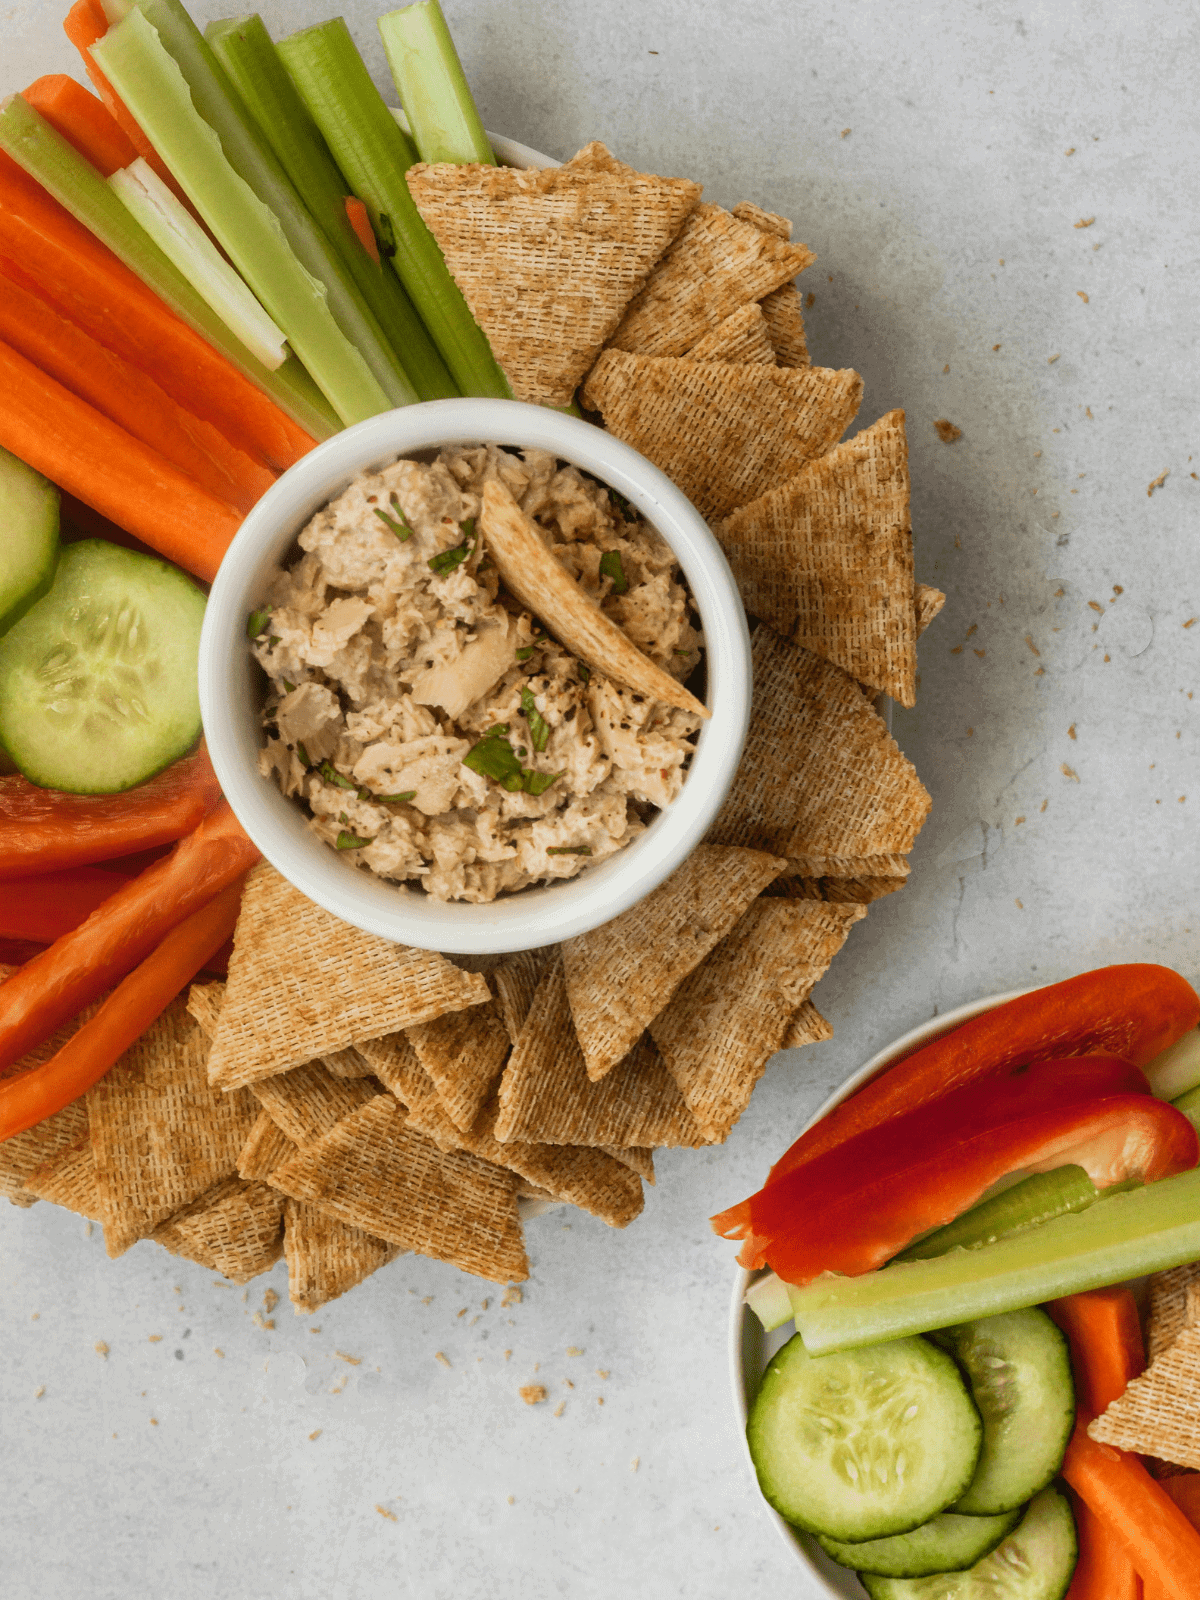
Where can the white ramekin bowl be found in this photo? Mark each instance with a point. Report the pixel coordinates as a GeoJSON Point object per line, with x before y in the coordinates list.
{"type": "Point", "coordinates": [231, 685]}
{"type": "Point", "coordinates": [750, 1348]}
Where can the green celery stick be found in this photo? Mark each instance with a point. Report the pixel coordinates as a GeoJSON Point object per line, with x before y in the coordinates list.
{"type": "Point", "coordinates": [432, 86]}
{"type": "Point", "coordinates": [30, 140]}
{"type": "Point", "coordinates": [1176, 1069]}
{"type": "Point", "coordinates": [768, 1299]}
{"type": "Point", "coordinates": [195, 123]}
{"type": "Point", "coordinates": [247, 52]}
{"type": "Point", "coordinates": [1146, 1230]}
{"type": "Point", "coordinates": [1028, 1204]}
{"type": "Point", "coordinates": [374, 154]}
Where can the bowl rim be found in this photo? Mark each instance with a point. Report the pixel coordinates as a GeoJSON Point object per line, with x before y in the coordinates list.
{"type": "Point", "coordinates": [746, 1337]}
{"type": "Point", "coordinates": [540, 914]}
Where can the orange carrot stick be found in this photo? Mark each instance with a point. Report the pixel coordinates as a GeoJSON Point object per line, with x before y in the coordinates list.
{"type": "Point", "coordinates": [82, 964]}
{"type": "Point", "coordinates": [1185, 1491]}
{"type": "Point", "coordinates": [360, 221]}
{"type": "Point", "coordinates": [1104, 1570]}
{"type": "Point", "coordinates": [1157, 1537]}
{"type": "Point", "coordinates": [83, 121]}
{"type": "Point", "coordinates": [52, 255]}
{"type": "Point", "coordinates": [128, 397]}
{"type": "Point", "coordinates": [61, 437]}
{"type": "Point", "coordinates": [1105, 1335]}
{"type": "Point", "coordinates": [133, 1005]}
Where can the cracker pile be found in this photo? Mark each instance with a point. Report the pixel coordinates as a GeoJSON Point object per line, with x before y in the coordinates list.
{"type": "Point", "coordinates": [340, 1100]}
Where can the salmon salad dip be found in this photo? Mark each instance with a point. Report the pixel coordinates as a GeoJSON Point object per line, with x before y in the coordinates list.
{"type": "Point", "coordinates": [431, 727]}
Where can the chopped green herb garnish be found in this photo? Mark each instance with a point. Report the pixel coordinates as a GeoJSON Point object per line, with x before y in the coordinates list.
{"type": "Point", "coordinates": [350, 841]}
{"type": "Point", "coordinates": [447, 560]}
{"type": "Point", "coordinates": [258, 622]}
{"type": "Point", "coordinates": [539, 782]}
{"type": "Point", "coordinates": [395, 799]}
{"type": "Point", "coordinates": [289, 686]}
{"type": "Point", "coordinates": [342, 817]}
{"type": "Point", "coordinates": [494, 757]}
{"type": "Point", "coordinates": [622, 505]}
{"type": "Point", "coordinates": [331, 775]}
{"type": "Point", "coordinates": [274, 640]}
{"type": "Point", "coordinates": [525, 652]}
{"type": "Point", "coordinates": [610, 567]}
{"type": "Point", "coordinates": [304, 755]}
{"type": "Point", "coordinates": [398, 523]}
{"type": "Point", "coordinates": [683, 652]}
{"type": "Point", "coordinates": [569, 850]}
{"type": "Point", "coordinates": [585, 673]}
{"type": "Point", "coordinates": [539, 728]}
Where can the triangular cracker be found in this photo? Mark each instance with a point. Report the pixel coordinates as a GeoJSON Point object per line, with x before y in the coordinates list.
{"type": "Point", "coordinates": [346, 1064]}
{"type": "Point", "coordinates": [204, 1004]}
{"type": "Point", "coordinates": [1169, 1307]}
{"type": "Point", "coordinates": [161, 1135]}
{"type": "Point", "coordinates": [398, 1067]}
{"type": "Point", "coordinates": [68, 1179]}
{"type": "Point", "coordinates": [892, 865]}
{"type": "Point", "coordinates": [326, 1257]}
{"type": "Point", "coordinates": [765, 221]}
{"type": "Point", "coordinates": [547, 1097]}
{"type": "Point", "coordinates": [266, 1148]}
{"type": "Point", "coordinates": [548, 259]}
{"type": "Point", "coordinates": [927, 602]}
{"type": "Point", "coordinates": [307, 1101]}
{"type": "Point", "coordinates": [855, 890]}
{"type": "Point", "coordinates": [374, 1173]}
{"type": "Point", "coordinates": [729, 1017]}
{"type": "Point", "coordinates": [463, 1054]}
{"type": "Point", "coordinates": [621, 975]}
{"type": "Point", "coordinates": [785, 325]}
{"type": "Point", "coordinates": [1159, 1413]}
{"type": "Point", "coordinates": [717, 263]}
{"type": "Point", "coordinates": [741, 337]}
{"type": "Point", "coordinates": [820, 774]}
{"type": "Point", "coordinates": [826, 558]}
{"type": "Point", "coordinates": [303, 984]}
{"type": "Point", "coordinates": [236, 1229]}
{"type": "Point", "coordinates": [808, 1026]}
{"type": "Point", "coordinates": [638, 1158]}
{"type": "Point", "coordinates": [515, 981]}
{"type": "Point", "coordinates": [724, 433]}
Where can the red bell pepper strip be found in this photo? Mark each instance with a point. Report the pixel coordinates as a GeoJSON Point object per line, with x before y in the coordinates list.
{"type": "Point", "coordinates": [1131, 1011]}
{"type": "Point", "coordinates": [44, 830]}
{"type": "Point", "coordinates": [134, 1004]}
{"type": "Point", "coordinates": [856, 1207]}
{"type": "Point", "coordinates": [79, 967]}
{"type": "Point", "coordinates": [45, 908]}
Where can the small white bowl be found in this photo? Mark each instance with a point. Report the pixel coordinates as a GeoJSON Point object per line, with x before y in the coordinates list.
{"type": "Point", "coordinates": [230, 701]}
{"type": "Point", "coordinates": [750, 1349]}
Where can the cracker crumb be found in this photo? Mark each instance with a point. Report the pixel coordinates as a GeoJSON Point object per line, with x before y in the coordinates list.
{"type": "Point", "coordinates": [995, 347]}
{"type": "Point", "coordinates": [635, 1463]}
{"type": "Point", "coordinates": [512, 1296]}
{"type": "Point", "coordinates": [355, 1361]}
{"type": "Point", "coordinates": [1085, 222]}
{"type": "Point", "coordinates": [1191, 622]}
{"type": "Point", "coordinates": [390, 1515]}
{"type": "Point", "coordinates": [532, 1393]}
{"type": "Point", "coordinates": [463, 1312]}
{"type": "Point", "coordinates": [970, 733]}
{"type": "Point", "coordinates": [154, 1338]}
{"type": "Point", "coordinates": [1050, 360]}
{"type": "Point", "coordinates": [512, 1499]}
{"type": "Point", "coordinates": [946, 368]}
{"type": "Point", "coordinates": [845, 133]}
{"type": "Point", "coordinates": [1082, 296]}
{"type": "Point", "coordinates": [35, 1316]}
{"type": "Point", "coordinates": [1069, 772]}
{"type": "Point", "coordinates": [601, 1372]}
{"type": "Point", "coordinates": [39, 1392]}
{"type": "Point", "coordinates": [101, 1349]}
{"type": "Point", "coordinates": [1094, 605]}
{"type": "Point", "coordinates": [217, 1351]}
{"type": "Point", "coordinates": [956, 650]}
{"type": "Point", "coordinates": [508, 1355]}
{"type": "Point", "coordinates": [1019, 905]}
{"type": "Point", "coordinates": [1182, 798]}
{"type": "Point", "coordinates": [270, 1301]}
{"type": "Point", "coordinates": [810, 300]}
{"type": "Point", "coordinates": [599, 1399]}
{"type": "Point", "coordinates": [1158, 482]}
{"type": "Point", "coordinates": [1040, 672]}
{"type": "Point", "coordinates": [316, 1433]}
{"type": "Point", "coordinates": [568, 1383]}
{"type": "Point", "coordinates": [574, 1349]}
{"type": "Point", "coordinates": [981, 654]}
{"type": "Point", "coordinates": [1071, 732]}
{"type": "Point", "coordinates": [438, 1356]}
{"type": "Point", "coordinates": [946, 430]}
{"type": "Point", "coordinates": [260, 1321]}
{"type": "Point", "coordinates": [427, 1300]}
{"type": "Point", "coordinates": [1069, 152]}
{"type": "Point", "coordinates": [484, 1304]}
{"type": "Point", "coordinates": [560, 1408]}
{"type": "Point", "coordinates": [314, 1330]}
{"type": "Point", "coordinates": [1018, 821]}
{"type": "Point", "coordinates": [1032, 646]}
{"type": "Point", "coordinates": [1117, 589]}
{"type": "Point", "coordinates": [154, 1422]}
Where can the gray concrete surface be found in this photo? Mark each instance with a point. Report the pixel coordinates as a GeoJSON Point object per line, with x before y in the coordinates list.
{"type": "Point", "coordinates": [938, 160]}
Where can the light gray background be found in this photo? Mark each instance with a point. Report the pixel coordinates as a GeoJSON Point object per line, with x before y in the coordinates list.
{"type": "Point", "coordinates": [943, 225]}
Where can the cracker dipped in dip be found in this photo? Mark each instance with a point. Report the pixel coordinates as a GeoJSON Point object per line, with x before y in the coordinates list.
{"type": "Point", "coordinates": [431, 725]}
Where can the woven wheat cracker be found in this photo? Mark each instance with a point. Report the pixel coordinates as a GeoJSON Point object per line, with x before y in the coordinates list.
{"type": "Point", "coordinates": [717, 263]}
{"type": "Point", "coordinates": [373, 1173]}
{"type": "Point", "coordinates": [266, 1148]}
{"type": "Point", "coordinates": [820, 774]}
{"type": "Point", "coordinates": [23, 1153]}
{"type": "Point", "coordinates": [346, 1064]}
{"type": "Point", "coordinates": [731, 1014]}
{"type": "Point", "coordinates": [515, 980]}
{"type": "Point", "coordinates": [463, 1054]}
{"type": "Point", "coordinates": [398, 1067]}
{"type": "Point", "coordinates": [725, 434]}
{"type": "Point", "coordinates": [1169, 1310]}
{"type": "Point", "coordinates": [161, 1135]}
{"type": "Point", "coordinates": [303, 984]}
{"type": "Point", "coordinates": [928, 602]}
{"type": "Point", "coordinates": [548, 259]}
{"type": "Point", "coordinates": [326, 1257]}
{"type": "Point", "coordinates": [68, 1178]}
{"type": "Point", "coordinates": [782, 309]}
{"type": "Point", "coordinates": [583, 1176]}
{"type": "Point", "coordinates": [547, 1097]}
{"type": "Point", "coordinates": [236, 1229]}
{"type": "Point", "coordinates": [848, 891]}
{"type": "Point", "coordinates": [621, 975]}
{"type": "Point", "coordinates": [765, 221]}
{"type": "Point", "coordinates": [825, 866]}
{"type": "Point", "coordinates": [742, 337]}
{"type": "Point", "coordinates": [307, 1101]}
{"type": "Point", "coordinates": [808, 1026]}
{"type": "Point", "coordinates": [1159, 1413]}
{"type": "Point", "coordinates": [638, 1158]}
{"type": "Point", "coordinates": [204, 1006]}
{"type": "Point", "coordinates": [826, 558]}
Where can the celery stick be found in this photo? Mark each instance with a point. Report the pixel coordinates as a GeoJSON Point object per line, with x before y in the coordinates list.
{"type": "Point", "coordinates": [30, 140]}
{"type": "Point", "coordinates": [237, 186]}
{"type": "Point", "coordinates": [246, 51]}
{"type": "Point", "coordinates": [1177, 1068]}
{"type": "Point", "coordinates": [374, 154]}
{"type": "Point", "coordinates": [432, 86]}
{"type": "Point", "coordinates": [768, 1299]}
{"type": "Point", "coordinates": [1146, 1230]}
{"type": "Point", "coordinates": [182, 240]}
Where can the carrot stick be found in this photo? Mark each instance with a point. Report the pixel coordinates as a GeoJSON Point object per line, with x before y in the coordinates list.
{"type": "Point", "coordinates": [67, 266]}
{"type": "Point", "coordinates": [82, 964]}
{"type": "Point", "coordinates": [1157, 1537]}
{"type": "Point", "coordinates": [1105, 1334]}
{"type": "Point", "coordinates": [128, 397]}
{"type": "Point", "coordinates": [59, 435]}
{"type": "Point", "coordinates": [83, 121]}
{"type": "Point", "coordinates": [44, 830]}
{"type": "Point", "coordinates": [1185, 1491]}
{"type": "Point", "coordinates": [1104, 1570]}
{"type": "Point", "coordinates": [360, 221]}
{"type": "Point", "coordinates": [46, 907]}
{"type": "Point", "coordinates": [133, 1005]}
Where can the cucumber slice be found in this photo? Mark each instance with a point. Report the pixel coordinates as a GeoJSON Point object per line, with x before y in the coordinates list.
{"type": "Point", "coordinates": [863, 1444]}
{"type": "Point", "coordinates": [946, 1543]}
{"type": "Point", "coordinates": [98, 683]}
{"type": "Point", "coordinates": [1019, 1369]}
{"type": "Point", "coordinates": [1035, 1562]}
{"type": "Point", "coordinates": [28, 537]}
{"type": "Point", "coordinates": [1027, 1204]}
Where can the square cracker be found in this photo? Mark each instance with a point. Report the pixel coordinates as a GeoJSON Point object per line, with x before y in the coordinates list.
{"type": "Point", "coordinates": [782, 310]}
{"type": "Point", "coordinates": [621, 975]}
{"type": "Point", "coordinates": [68, 1178]}
{"type": "Point", "coordinates": [307, 1101]}
{"type": "Point", "coordinates": [717, 263]}
{"type": "Point", "coordinates": [515, 981]}
{"type": "Point", "coordinates": [236, 1229]}
{"type": "Point", "coordinates": [463, 1054]}
{"type": "Point", "coordinates": [820, 774]}
{"type": "Point", "coordinates": [346, 1064]}
{"type": "Point", "coordinates": [398, 1067]}
{"type": "Point", "coordinates": [547, 1097]}
{"type": "Point", "coordinates": [326, 1257]}
{"type": "Point", "coordinates": [548, 259]}
{"type": "Point", "coordinates": [161, 1135]}
{"type": "Point", "coordinates": [741, 337]}
{"type": "Point", "coordinates": [724, 433]}
{"type": "Point", "coordinates": [1169, 1306]}
{"type": "Point", "coordinates": [374, 1173]}
{"type": "Point", "coordinates": [730, 1015]}
{"type": "Point", "coordinates": [303, 984]}
{"type": "Point", "coordinates": [765, 221]}
{"type": "Point", "coordinates": [266, 1148]}
{"type": "Point", "coordinates": [1159, 1413]}
{"type": "Point", "coordinates": [807, 1026]}
{"type": "Point", "coordinates": [826, 558]}
{"type": "Point", "coordinates": [23, 1153]}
